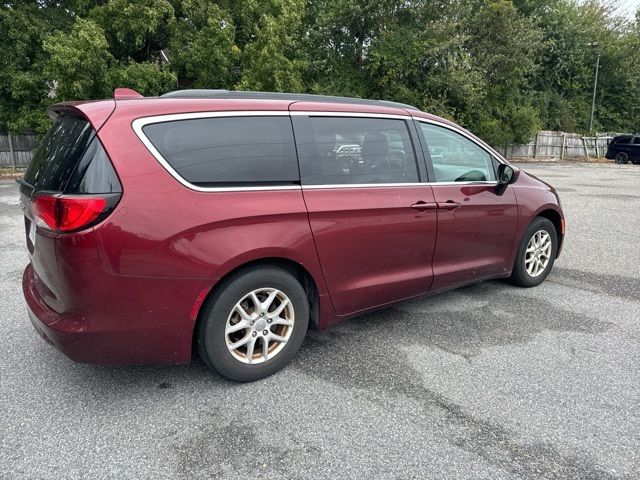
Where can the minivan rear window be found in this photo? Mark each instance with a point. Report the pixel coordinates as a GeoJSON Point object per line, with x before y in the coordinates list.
{"type": "Point", "coordinates": [228, 151]}
{"type": "Point", "coordinates": [56, 157]}
{"type": "Point", "coordinates": [94, 173]}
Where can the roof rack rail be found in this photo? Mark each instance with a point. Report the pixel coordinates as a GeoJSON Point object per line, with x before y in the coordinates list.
{"type": "Point", "coordinates": [304, 97]}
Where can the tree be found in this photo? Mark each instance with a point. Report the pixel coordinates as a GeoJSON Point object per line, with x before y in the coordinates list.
{"type": "Point", "coordinates": [339, 40]}
{"type": "Point", "coordinates": [148, 78]}
{"type": "Point", "coordinates": [203, 49]}
{"type": "Point", "coordinates": [135, 30]}
{"type": "Point", "coordinates": [77, 62]}
{"type": "Point", "coordinates": [22, 88]}
{"type": "Point", "coordinates": [504, 46]}
{"type": "Point", "coordinates": [501, 68]}
{"type": "Point", "coordinates": [420, 58]}
{"type": "Point", "coordinates": [271, 60]}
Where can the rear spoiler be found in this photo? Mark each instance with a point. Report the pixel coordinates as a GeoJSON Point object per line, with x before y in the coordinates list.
{"type": "Point", "coordinates": [96, 111]}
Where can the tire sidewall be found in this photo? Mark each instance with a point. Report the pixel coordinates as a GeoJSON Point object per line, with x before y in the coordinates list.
{"type": "Point", "coordinates": [211, 335]}
{"type": "Point", "coordinates": [520, 274]}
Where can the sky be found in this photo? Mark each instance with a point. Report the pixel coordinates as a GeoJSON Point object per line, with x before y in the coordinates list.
{"type": "Point", "coordinates": [629, 7]}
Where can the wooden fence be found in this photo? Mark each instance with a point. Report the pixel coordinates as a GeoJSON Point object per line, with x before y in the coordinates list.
{"type": "Point", "coordinates": [548, 145]}
{"type": "Point", "coordinates": [16, 150]}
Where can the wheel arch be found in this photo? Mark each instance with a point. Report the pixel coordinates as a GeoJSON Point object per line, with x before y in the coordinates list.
{"type": "Point", "coordinates": [294, 268]}
{"type": "Point", "coordinates": [558, 222]}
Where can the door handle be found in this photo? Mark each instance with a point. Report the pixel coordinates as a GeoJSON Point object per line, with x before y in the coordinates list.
{"type": "Point", "coordinates": [423, 206]}
{"type": "Point", "coordinates": [448, 205]}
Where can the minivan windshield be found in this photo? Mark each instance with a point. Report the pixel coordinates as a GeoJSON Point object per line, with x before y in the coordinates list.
{"type": "Point", "coordinates": [59, 152]}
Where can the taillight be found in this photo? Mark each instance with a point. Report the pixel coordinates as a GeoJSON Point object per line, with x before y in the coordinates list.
{"type": "Point", "coordinates": [44, 209]}
{"type": "Point", "coordinates": [68, 213]}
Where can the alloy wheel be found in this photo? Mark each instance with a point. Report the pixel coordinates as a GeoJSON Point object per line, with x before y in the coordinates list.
{"type": "Point", "coordinates": [538, 253]}
{"type": "Point", "coordinates": [259, 325]}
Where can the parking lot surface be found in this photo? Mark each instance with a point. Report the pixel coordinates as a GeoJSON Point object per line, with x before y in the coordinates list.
{"type": "Point", "coordinates": [489, 381]}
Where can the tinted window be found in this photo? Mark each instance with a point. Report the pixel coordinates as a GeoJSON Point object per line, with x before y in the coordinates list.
{"type": "Point", "coordinates": [360, 150]}
{"type": "Point", "coordinates": [228, 150]}
{"type": "Point", "coordinates": [57, 155]}
{"type": "Point", "coordinates": [94, 173]}
{"type": "Point", "coordinates": [636, 141]}
{"type": "Point", "coordinates": [456, 158]}
{"type": "Point", "coordinates": [622, 140]}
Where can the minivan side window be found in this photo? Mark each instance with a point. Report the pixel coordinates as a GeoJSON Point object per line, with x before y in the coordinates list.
{"type": "Point", "coordinates": [359, 150]}
{"type": "Point", "coordinates": [455, 158]}
{"type": "Point", "coordinates": [622, 140]}
{"type": "Point", "coordinates": [228, 151]}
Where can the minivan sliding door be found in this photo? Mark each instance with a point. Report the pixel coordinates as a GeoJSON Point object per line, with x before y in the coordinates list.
{"type": "Point", "coordinates": [373, 222]}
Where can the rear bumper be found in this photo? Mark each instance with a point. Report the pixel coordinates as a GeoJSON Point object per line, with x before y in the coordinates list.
{"type": "Point", "coordinates": [63, 331]}
{"type": "Point", "coordinates": [102, 341]}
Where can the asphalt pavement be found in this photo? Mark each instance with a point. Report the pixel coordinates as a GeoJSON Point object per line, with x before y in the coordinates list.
{"type": "Point", "coordinates": [489, 381]}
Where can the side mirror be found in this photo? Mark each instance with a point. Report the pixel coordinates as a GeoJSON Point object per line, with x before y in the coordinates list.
{"type": "Point", "coordinates": [506, 174]}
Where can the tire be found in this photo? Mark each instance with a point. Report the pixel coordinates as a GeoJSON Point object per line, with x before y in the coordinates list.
{"type": "Point", "coordinates": [622, 158]}
{"type": "Point", "coordinates": [222, 309]}
{"type": "Point", "coordinates": [520, 275]}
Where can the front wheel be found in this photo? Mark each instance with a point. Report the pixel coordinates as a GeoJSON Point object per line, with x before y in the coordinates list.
{"type": "Point", "coordinates": [536, 253]}
{"type": "Point", "coordinates": [254, 324]}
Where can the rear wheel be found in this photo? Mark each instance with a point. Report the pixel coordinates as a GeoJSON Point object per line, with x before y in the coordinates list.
{"type": "Point", "coordinates": [622, 157]}
{"type": "Point", "coordinates": [536, 253]}
{"type": "Point", "coordinates": [254, 324]}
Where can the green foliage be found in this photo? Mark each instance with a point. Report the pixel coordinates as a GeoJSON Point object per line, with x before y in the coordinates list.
{"type": "Point", "coordinates": [77, 62]}
{"type": "Point", "coordinates": [270, 60]}
{"type": "Point", "coordinates": [134, 29]}
{"type": "Point", "coordinates": [502, 68]}
{"type": "Point", "coordinates": [22, 88]}
{"type": "Point", "coordinates": [148, 78]}
{"type": "Point", "coordinates": [203, 50]}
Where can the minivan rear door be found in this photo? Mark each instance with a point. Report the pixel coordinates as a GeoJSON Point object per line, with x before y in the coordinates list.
{"type": "Point", "coordinates": [373, 221]}
{"type": "Point", "coordinates": [68, 184]}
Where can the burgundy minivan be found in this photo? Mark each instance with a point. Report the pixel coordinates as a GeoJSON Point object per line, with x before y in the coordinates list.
{"type": "Point", "coordinates": [231, 221]}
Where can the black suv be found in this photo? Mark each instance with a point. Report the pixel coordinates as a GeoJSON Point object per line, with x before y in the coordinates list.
{"type": "Point", "coordinates": [624, 149]}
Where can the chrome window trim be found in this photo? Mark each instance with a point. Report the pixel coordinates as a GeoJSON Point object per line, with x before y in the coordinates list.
{"type": "Point", "coordinates": [362, 185]}
{"type": "Point", "coordinates": [392, 185]}
{"type": "Point", "coordinates": [471, 182]}
{"type": "Point", "coordinates": [139, 123]}
{"type": "Point", "coordinates": [392, 116]}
